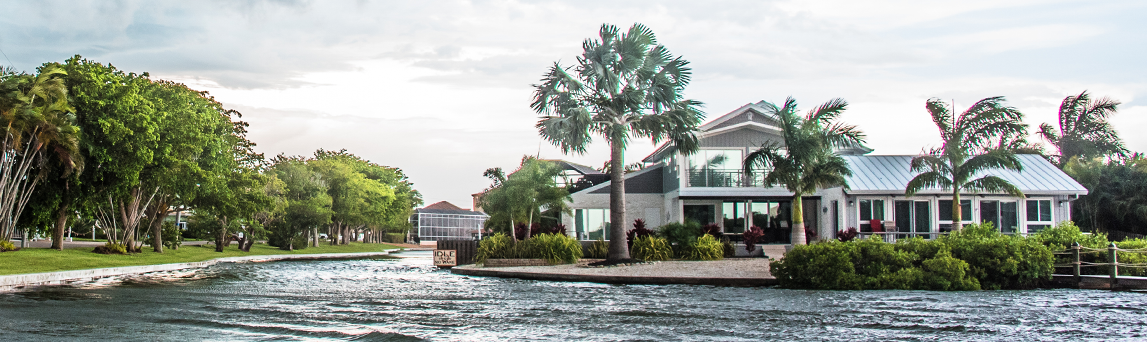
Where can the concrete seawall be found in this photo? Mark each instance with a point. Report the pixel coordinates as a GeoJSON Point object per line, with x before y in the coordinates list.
{"type": "Point", "coordinates": [15, 281]}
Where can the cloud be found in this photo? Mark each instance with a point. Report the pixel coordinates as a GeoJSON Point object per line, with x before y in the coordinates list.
{"type": "Point", "coordinates": [442, 88]}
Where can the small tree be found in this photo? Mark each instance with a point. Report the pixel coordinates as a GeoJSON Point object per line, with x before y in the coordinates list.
{"type": "Point", "coordinates": [970, 148]}
{"type": "Point", "coordinates": [807, 160]}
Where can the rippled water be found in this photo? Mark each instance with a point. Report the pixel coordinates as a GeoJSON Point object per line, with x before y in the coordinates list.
{"type": "Point", "coordinates": [408, 300]}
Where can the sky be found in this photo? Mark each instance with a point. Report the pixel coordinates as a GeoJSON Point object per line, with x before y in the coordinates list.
{"type": "Point", "coordinates": [441, 89]}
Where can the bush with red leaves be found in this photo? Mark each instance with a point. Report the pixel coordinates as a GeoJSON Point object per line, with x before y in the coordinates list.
{"type": "Point", "coordinates": [751, 236]}
{"type": "Point", "coordinates": [638, 230]}
{"type": "Point", "coordinates": [847, 235]}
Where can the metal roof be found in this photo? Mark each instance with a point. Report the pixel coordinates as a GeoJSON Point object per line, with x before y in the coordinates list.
{"type": "Point", "coordinates": [891, 174]}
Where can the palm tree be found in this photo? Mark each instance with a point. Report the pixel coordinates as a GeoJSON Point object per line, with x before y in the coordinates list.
{"type": "Point", "coordinates": [1083, 129]}
{"type": "Point", "coordinates": [970, 148]}
{"type": "Point", "coordinates": [807, 160]}
{"type": "Point", "coordinates": [37, 127]}
{"type": "Point", "coordinates": [624, 86]}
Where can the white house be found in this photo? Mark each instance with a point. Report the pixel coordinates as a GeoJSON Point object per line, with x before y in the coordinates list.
{"type": "Point", "coordinates": [709, 187]}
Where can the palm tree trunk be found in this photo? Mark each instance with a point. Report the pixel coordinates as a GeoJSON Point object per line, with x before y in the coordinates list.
{"type": "Point", "coordinates": [61, 223]}
{"type": "Point", "coordinates": [957, 215]}
{"type": "Point", "coordinates": [618, 248]}
{"type": "Point", "coordinates": [798, 234]}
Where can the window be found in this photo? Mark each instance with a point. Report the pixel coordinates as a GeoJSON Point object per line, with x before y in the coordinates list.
{"type": "Point", "coordinates": [913, 216]}
{"type": "Point", "coordinates": [715, 168]}
{"type": "Point", "coordinates": [733, 217]}
{"type": "Point", "coordinates": [1039, 215]}
{"type": "Point", "coordinates": [944, 208]}
{"type": "Point", "coordinates": [702, 214]}
{"type": "Point", "coordinates": [870, 210]}
{"type": "Point", "coordinates": [1002, 215]}
{"type": "Point", "coordinates": [592, 224]}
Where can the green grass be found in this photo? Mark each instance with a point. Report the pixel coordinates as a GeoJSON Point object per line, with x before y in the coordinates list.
{"type": "Point", "coordinates": [36, 260]}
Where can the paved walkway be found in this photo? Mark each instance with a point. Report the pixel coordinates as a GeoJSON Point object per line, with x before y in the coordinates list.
{"type": "Point", "coordinates": [729, 272]}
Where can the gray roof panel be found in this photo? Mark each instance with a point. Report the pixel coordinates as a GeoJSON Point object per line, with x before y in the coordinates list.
{"type": "Point", "coordinates": [891, 174]}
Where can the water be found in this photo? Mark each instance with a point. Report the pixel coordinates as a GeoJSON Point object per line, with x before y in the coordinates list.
{"type": "Point", "coordinates": [408, 300]}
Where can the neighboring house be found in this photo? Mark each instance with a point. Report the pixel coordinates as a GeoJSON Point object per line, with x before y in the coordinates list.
{"type": "Point", "coordinates": [710, 187]}
{"type": "Point", "coordinates": [445, 221]}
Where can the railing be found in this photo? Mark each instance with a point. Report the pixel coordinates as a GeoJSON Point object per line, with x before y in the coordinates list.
{"type": "Point", "coordinates": [893, 235]}
{"type": "Point", "coordinates": [1112, 267]}
{"type": "Point", "coordinates": [724, 178]}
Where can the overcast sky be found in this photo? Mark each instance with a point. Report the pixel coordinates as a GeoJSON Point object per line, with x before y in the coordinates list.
{"type": "Point", "coordinates": [441, 89]}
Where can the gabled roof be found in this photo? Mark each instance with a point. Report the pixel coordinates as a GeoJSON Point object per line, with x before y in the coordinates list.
{"type": "Point", "coordinates": [445, 207]}
{"type": "Point", "coordinates": [754, 118]}
{"type": "Point", "coordinates": [579, 168]}
{"type": "Point", "coordinates": [640, 187]}
{"type": "Point", "coordinates": [891, 174]}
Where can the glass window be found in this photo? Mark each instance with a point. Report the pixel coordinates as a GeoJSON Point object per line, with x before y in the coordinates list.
{"type": "Point", "coordinates": [913, 216]}
{"type": "Point", "coordinates": [870, 210]}
{"type": "Point", "coordinates": [734, 217]}
{"type": "Point", "coordinates": [702, 214]}
{"type": "Point", "coordinates": [945, 210]}
{"type": "Point", "coordinates": [592, 224]}
{"type": "Point", "coordinates": [715, 168]}
{"type": "Point", "coordinates": [1038, 215]}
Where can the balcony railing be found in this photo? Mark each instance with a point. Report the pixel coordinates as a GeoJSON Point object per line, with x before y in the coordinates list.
{"type": "Point", "coordinates": [724, 178]}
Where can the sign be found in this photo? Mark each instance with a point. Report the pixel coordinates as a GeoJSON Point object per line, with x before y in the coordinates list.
{"type": "Point", "coordinates": [445, 257]}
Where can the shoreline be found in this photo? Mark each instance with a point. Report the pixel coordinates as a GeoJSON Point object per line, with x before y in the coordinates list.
{"type": "Point", "coordinates": [729, 272]}
{"type": "Point", "coordinates": [19, 281]}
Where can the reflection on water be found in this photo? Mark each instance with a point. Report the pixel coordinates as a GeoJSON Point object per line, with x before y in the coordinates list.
{"type": "Point", "coordinates": [406, 299]}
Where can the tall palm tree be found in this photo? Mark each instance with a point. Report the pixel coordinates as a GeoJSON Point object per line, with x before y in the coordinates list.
{"type": "Point", "coordinates": [624, 86]}
{"type": "Point", "coordinates": [37, 127]}
{"type": "Point", "coordinates": [970, 148]}
{"type": "Point", "coordinates": [807, 160]}
{"type": "Point", "coordinates": [1083, 129]}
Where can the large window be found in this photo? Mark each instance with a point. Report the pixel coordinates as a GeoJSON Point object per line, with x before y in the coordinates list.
{"type": "Point", "coordinates": [913, 216]}
{"type": "Point", "coordinates": [1039, 215]}
{"type": "Point", "coordinates": [870, 210]}
{"type": "Point", "coordinates": [702, 214]}
{"type": "Point", "coordinates": [592, 224]}
{"type": "Point", "coordinates": [945, 211]}
{"type": "Point", "coordinates": [1003, 215]}
{"type": "Point", "coordinates": [437, 227]}
{"type": "Point", "coordinates": [733, 214]}
{"type": "Point", "coordinates": [715, 168]}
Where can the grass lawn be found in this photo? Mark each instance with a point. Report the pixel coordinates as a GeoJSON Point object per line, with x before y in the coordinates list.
{"type": "Point", "coordinates": [36, 260]}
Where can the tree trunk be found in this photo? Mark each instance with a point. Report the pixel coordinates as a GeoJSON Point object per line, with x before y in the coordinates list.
{"type": "Point", "coordinates": [798, 235]}
{"type": "Point", "coordinates": [957, 216]}
{"type": "Point", "coordinates": [219, 238]}
{"type": "Point", "coordinates": [315, 236]}
{"type": "Point", "coordinates": [331, 233]}
{"type": "Point", "coordinates": [61, 223]}
{"type": "Point", "coordinates": [157, 217]}
{"type": "Point", "coordinates": [618, 248]}
{"type": "Point", "coordinates": [513, 231]}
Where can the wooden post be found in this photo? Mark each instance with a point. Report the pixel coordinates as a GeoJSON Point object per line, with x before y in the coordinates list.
{"type": "Point", "coordinates": [1114, 257]}
{"type": "Point", "coordinates": [1075, 265]}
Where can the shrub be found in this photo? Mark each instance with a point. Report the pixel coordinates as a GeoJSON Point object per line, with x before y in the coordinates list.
{"type": "Point", "coordinates": [638, 230]}
{"type": "Point", "coordinates": [977, 256]}
{"type": "Point", "coordinates": [496, 246]}
{"type": "Point", "coordinates": [826, 265]}
{"type": "Point", "coordinates": [704, 247]}
{"type": "Point", "coordinates": [111, 248]}
{"type": "Point", "coordinates": [651, 248]}
{"type": "Point", "coordinates": [680, 235]}
{"type": "Point", "coordinates": [1066, 233]}
{"type": "Point", "coordinates": [557, 249]}
{"type": "Point", "coordinates": [1131, 258]}
{"type": "Point", "coordinates": [559, 229]}
{"type": "Point", "coordinates": [847, 235]}
{"type": "Point", "coordinates": [520, 231]}
{"type": "Point", "coordinates": [727, 247]}
{"type": "Point", "coordinates": [1000, 261]}
{"type": "Point", "coordinates": [945, 273]}
{"type": "Point", "coordinates": [8, 246]}
{"type": "Point", "coordinates": [712, 229]}
{"type": "Point", "coordinates": [752, 236]}
{"type": "Point", "coordinates": [597, 250]}
{"type": "Point", "coordinates": [394, 238]}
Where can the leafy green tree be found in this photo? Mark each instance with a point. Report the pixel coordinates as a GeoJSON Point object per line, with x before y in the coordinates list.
{"type": "Point", "coordinates": [970, 149]}
{"type": "Point", "coordinates": [1083, 129]}
{"type": "Point", "coordinates": [307, 203]}
{"type": "Point", "coordinates": [807, 159]}
{"type": "Point", "coordinates": [1117, 194]}
{"type": "Point", "coordinates": [120, 137]}
{"type": "Point", "coordinates": [526, 193]}
{"type": "Point", "coordinates": [39, 135]}
{"type": "Point", "coordinates": [625, 85]}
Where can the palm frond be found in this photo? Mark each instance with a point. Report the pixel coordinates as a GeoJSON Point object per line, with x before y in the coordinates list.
{"type": "Point", "coordinates": [927, 180]}
{"type": "Point", "coordinates": [995, 185]}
